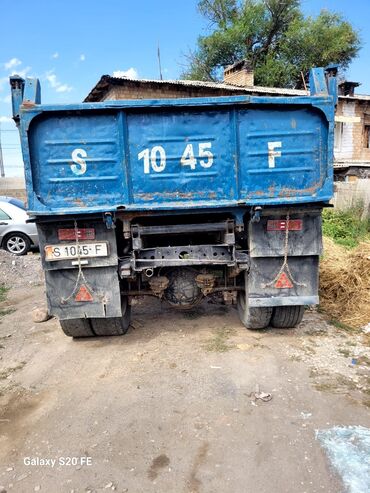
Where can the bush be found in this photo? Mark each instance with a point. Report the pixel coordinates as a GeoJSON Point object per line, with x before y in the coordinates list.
{"type": "Point", "coordinates": [346, 227]}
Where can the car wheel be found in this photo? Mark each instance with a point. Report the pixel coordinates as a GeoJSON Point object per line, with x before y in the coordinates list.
{"type": "Point", "coordinates": [17, 243]}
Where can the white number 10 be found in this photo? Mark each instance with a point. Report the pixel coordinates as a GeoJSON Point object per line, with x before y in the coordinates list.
{"type": "Point", "coordinates": [151, 159]}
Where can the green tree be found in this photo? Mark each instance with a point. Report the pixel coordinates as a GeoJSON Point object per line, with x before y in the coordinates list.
{"type": "Point", "coordinates": [275, 37]}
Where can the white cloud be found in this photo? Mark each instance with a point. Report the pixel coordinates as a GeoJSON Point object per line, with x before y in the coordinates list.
{"type": "Point", "coordinates": [7, 99]}
{"type": "Point", "coordinates": [130, 73]}
{"type": "Point", "coordinates": [22, 73]}
{"type": "Point", "coordinates": [5, 119]}
{"type": "Point", "coordinates": [64, 88]}
{"type": "Point", "coordinates": [55, 55]}
{"type": "Point", "coordinates": [82, 57]}
{"type": "Point", "coordinates": [56, 84]}
{"type": "Point", "coordinates": [52, 79]}
{"type": "Point", "coordinates": [13, 62]}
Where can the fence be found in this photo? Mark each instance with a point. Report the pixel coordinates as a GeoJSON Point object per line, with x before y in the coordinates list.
{"type": "Point", "coordinates": [352, 194]}
{"type": "Point", "coordinates": [13, 187]}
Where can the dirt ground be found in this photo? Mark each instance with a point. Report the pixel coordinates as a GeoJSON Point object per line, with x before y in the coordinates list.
{"type": "Point", "coordinates": [173, 406]}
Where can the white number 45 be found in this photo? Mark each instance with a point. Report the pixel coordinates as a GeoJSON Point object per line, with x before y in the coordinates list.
{"type": "Point", "coordinates": [188, 158]}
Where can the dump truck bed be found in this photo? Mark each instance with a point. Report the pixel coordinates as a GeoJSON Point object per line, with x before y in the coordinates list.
{"type": "Point", "coordinates": [176, 154]}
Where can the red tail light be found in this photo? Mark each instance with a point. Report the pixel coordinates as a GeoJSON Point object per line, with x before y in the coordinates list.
{"type": "Point", "coordinates": [280, 225]}
{"type": "Point", "coordinates": [82, 234]}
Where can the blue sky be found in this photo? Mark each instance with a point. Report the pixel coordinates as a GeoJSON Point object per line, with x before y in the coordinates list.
{"type": "Point", "coordinates": [70, 44]}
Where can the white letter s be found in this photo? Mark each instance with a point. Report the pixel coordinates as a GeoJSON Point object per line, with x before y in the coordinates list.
{"type": "Point", "coordinates": [80, 167]}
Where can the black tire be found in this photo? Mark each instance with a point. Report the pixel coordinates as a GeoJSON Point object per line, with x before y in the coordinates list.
{"type": "Point", "coordinates": [17, 244]}
{"type": "Point", "coordinates": [287, 317]}
{"type": "Point", "coordinates": [114, 326]}
{"type": "Point", "coordinates": [255, 317]}
{"type": "Point", "coordinates": [77, 327]}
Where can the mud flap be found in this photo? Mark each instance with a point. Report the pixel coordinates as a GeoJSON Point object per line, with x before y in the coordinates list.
{"type": "Point", "coordinates": [94, 290]}
{"type": "Point", "coordinates": [285, 270]}
{"type": "Point", "coordinates": [100, 288]}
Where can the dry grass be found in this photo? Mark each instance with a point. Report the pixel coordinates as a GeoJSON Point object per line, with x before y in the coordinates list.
{"type": "Point", "coordinates": [345, 283]}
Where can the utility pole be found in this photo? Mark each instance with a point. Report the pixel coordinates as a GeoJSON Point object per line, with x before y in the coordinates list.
{"type": "Point", "coordinates": [159, 63]}
{"type": "Point", "coordinates": [2, 171]}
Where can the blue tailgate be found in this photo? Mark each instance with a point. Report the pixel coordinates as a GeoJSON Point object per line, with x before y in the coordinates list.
{"type": "Point", "coordinates": [176, 154]}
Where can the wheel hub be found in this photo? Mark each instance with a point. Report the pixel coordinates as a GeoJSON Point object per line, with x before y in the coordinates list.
{"type": "Point", "coordinates": [16, 244]}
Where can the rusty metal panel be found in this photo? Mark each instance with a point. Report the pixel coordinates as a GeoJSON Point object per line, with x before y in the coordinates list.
{"type": "Point", "coordinates": [76, 161]}
{"type": "Point", "coordinates": [182, 157]}
{"type": "Point", "coordinates": [283, 152]}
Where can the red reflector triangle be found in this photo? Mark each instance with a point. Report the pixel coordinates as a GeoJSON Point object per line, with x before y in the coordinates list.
{"type": "Point", "coordinates": [283, 281]}
{"type": "Point", "coordinates": [83, 294]}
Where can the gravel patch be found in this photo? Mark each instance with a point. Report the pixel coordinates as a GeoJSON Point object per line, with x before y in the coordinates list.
{"type": "Point", "coordinates": [20, 271]}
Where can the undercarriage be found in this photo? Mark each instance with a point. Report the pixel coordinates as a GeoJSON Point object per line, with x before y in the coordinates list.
{"type": "Point", "coordinates": [265, 262]}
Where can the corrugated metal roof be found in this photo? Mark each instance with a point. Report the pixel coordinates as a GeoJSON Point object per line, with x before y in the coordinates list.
{"type": "Point", "coordinates": [363, 97]}
{"type": "Point", "coordinates": [218, 85]}
{"type": "Point", "coordinates": [102, 87]}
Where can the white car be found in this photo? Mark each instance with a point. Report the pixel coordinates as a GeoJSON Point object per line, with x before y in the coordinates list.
{"type": "Point", "coordinates": [16, 236]}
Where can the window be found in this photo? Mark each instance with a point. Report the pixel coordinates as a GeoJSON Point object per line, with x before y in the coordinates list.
{"type": "Point", "coordinates": [3, 216]}
{"type": "Point", "coordinates": [17, 203]}
{"type": "Point", "coordinates": [338, 133]}
{"type": "Point", "coordinates": [367, 137]}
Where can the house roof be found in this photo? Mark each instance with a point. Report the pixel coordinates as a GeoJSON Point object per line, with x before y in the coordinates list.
{"type": "Point", "coordinates": [106, 82]}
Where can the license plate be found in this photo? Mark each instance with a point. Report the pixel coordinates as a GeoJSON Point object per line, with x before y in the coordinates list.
{"type": "Point", "coordinates": [71, 250]}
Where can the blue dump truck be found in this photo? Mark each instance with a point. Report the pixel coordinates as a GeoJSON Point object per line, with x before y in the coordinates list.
{"type": "Point", "coordinates": [179, 199]}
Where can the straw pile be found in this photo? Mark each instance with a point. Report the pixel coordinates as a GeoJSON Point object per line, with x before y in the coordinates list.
{"type": "Point", "coordinates": [345, 283]}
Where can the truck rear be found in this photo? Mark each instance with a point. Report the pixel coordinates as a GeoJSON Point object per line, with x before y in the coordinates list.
{"type": "Point", "coordinates": [178, 199]}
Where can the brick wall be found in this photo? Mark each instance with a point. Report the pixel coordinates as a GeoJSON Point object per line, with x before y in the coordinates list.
{"type": "Point", "coordinates": [243, 78]}
{"type": "Point", "coordinates": [353, 145]}
{"type": "Point", "coordinates": [146, 91]}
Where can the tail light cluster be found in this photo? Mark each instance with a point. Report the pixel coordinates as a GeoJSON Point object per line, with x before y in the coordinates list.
{"type": "Point", "coordinates": [74, 234]}
{"type": "Point", "coordinates": [281, 224]}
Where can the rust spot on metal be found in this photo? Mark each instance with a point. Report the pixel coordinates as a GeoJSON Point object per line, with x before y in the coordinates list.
{"type": "Point", "coordinates": [293, 192]}
{"type": "Point", "coordinates": [165, 195]}
{"type": "Point", "coordinates": [79, 202]}
{"type": "Point", "coordinates": [271, 190]}
{"type": "Point", "coordinates": [28, 104]}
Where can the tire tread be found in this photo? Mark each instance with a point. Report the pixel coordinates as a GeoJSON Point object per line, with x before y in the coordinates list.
{"type": "Point", "coordinates": [287, 317]}
{"type": "Point", "coordinates": [256, 318]}
{"type": "Point", "coordinates": [77, 327]}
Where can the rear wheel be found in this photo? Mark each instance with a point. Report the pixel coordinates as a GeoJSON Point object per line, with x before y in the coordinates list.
{"type": "Point", "coordinates": [287, 317]}
{"type": "Point", "coordinates": [253, 317]}
{"type": "Point", "coordinates": [114, 326]}
{"type": "Point", "coordinates": [77, 327]}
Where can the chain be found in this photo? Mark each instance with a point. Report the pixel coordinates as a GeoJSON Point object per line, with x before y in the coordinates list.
{"type": "Point", "coordinates": [80, 274]}
{"type": "Point", "coordinates": [285, 266]}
